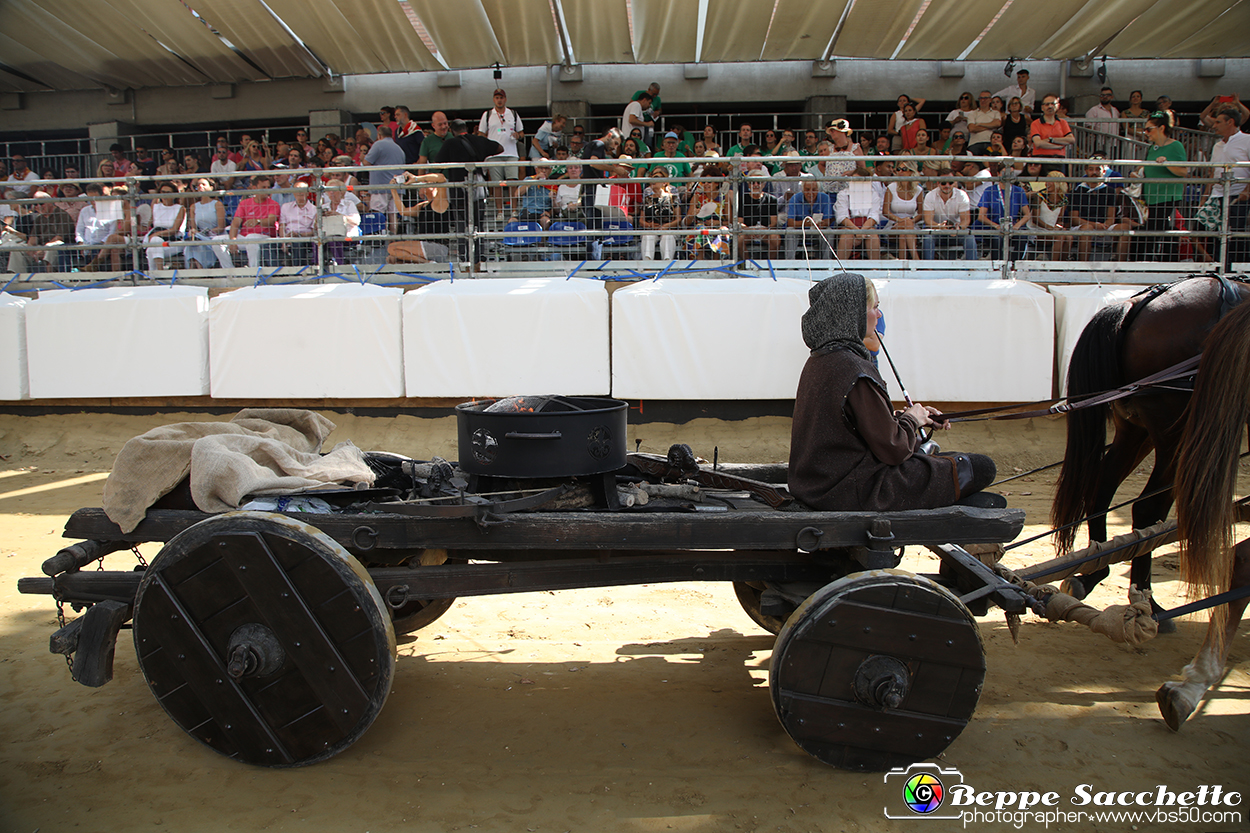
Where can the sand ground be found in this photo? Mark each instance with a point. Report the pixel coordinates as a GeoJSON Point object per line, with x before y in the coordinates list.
{"type": "Point", "coordinates": [622, 709]}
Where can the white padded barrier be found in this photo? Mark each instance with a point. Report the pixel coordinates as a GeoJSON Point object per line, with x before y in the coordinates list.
{"type": "Point", "coordinates": [307, 342]}
{"type": "Point", "coordinates": [968, 341]}
{"type": "Point", "coordinates": [506, 336]}
{"type": "Point", "coordinates": [1074, 307]}
{"type": "Point", "coordinates": [707, 338]}
{"type": "Point", "coordinates": [14, 381]}
{"type": "Point", "coordinates": [118, 342]}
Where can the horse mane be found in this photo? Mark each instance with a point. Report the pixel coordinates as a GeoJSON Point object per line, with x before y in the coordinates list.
{"type": "Point", "coordinates": [1207, 465]}
{"type": "Point", "coordinates": [1094, 367]}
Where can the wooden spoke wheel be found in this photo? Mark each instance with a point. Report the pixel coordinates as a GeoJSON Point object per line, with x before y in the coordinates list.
{"type": "Point", "coordinates": [877, 670]}
{"type": "Point", "coordinates": [264, 639]}
{"type": "Point", "coordinates": [749, 593]}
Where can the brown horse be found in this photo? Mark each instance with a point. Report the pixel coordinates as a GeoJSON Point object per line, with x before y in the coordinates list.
{"type": "Point", "coordinates": [1206, 479]}
{"type": "Point", "coordinates": [1122, 344]}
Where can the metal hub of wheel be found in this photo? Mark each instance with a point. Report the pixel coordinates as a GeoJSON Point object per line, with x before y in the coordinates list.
{"type": "Point", "coordinates": [264, 639]}
{"type": "Point", "coordinates": [877, 670]}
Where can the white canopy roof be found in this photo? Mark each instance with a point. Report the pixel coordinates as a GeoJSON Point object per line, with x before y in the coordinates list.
{"type": "Point", "coordinates": [69, 44]}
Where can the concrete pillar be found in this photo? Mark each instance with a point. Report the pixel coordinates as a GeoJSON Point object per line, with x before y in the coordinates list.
{"type": "Point", "coordinates": [819, 109]}
{"type": "Point", "coordinates": [578, 112]}
{"type": "Point", "coordinates": [321, 122]}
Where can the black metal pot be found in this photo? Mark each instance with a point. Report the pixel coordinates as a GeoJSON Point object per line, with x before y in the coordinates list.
{"type": "Point", "coordinates": [541, 436]}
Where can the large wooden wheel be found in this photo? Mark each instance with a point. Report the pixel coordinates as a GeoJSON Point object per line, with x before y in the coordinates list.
{"type": "Point", "coordinates": [264, 639]}
{"type": "Point", "coordinates": [414, 614]}
{"type": "Point", "coordinates": [748, 593]}
{"type": "Point", "coordinates": [877, 670]}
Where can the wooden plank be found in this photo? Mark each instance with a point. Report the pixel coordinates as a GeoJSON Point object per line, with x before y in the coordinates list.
{"type": "Point", "coordinates": [554, 531]}
{"type": "Point", "coordinates": [850, 724]}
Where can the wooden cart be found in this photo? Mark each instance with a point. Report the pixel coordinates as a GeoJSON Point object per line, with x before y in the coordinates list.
{"type": "Point", "coordinates": [271, 637]}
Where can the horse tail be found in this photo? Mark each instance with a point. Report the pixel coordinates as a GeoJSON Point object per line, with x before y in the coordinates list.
{"type": "Point", "coordinates": [1207, 464]}
{"type": "Point", "coordinates": [1095, 367]}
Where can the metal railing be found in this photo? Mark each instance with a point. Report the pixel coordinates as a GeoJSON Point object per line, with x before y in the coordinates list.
{"type": "Point", "coordinates": [484, 240]}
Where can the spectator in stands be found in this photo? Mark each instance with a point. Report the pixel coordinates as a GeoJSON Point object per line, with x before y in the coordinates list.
{"type": "Point", "coordinates": [222, 163]}
{"type": "Point", "coordinates": [809, 206]}
{"type": "Point", "coordinates": [255, 158]}
{"type": "Point", "coordinates": [1162, 189]}
{"type": "Point", "coordinates": [630, 149]}
{"type": "Point", "coordinates": [642, 150]}
{"type": "Point", "coordinates": [431, 210]}
{"type": "Point", "coordinates": [338, 202]}
{"type": "Point", "coordinates": [1004, 205]}
{"type": "Point", "coordinates": [758, 212]}
{"type": "Point", "coordinates": [391, 157]}
{"type": "Point", "coordinates": [547, 137]}
{"type": "Point", "coordinates": [857, 213]}
{"type": "Point", "coordinates": [1050, 135]}
{"type": "Point", "coordinates": [503, 125]}
{"type": "Point", "coordinates": [577, 143]}
{"type": "Point", "coordinates": [709, 141]}
{"type": "Point", "coordinates": [839, 133]}
{"type": "Point", "coordinates": [97, 225]}
{"type": "Point", "coordinates": [1234, 146]}
{"type": "Point", "coordinates": [948, 217]}
{"type": "Point", "coordinates": [121, 165]}
{"type": "Point", "coordinates": [534, 196]}
{"type": "Point", "coordinates": [1092, 207]}
{"type": "Point", "coordinates": [295, 158]}
{"type": "Point", "coordinates": [191, 164]}
{"type": "Point", "coordinates": [710, 213]}
{"type": "Point", "coordinates": [745, 137]}
{"type": "Point", "coordinates": [51, 229]}
{"type": "Point", "coordinates": [981, 122]}
{"type": "Point", "coordinates": [301, 139]}
{"type": "Point", "coordinates": [1020, 90]}
{"type": "Point", "coordinates": [923, 148]}
{"type": "Point", "coordinates": [652, 112]}
{"type": "Point", "coordinates": [910, 125]}
{"type": "Point", "coordinates": [894, 126]}
{"type": "Point", "coordinates": [433, 141]}
{"type": "Point", "coordinates": [1135, 110]}
{"type": "Point", "coordinates": [256, 219]}
{"type": "Point", "coordinates": [386, 116]}
{"type": "Point", "coordinates": [207, 221]}
{"type": "Point", "coordinates": [1219, 102]}
{"type": "Point", "coordinates": [667, 162]}
{"type": "Point", "coordinates": [1100, 118]}
{"type": "Point", "coordinates": [169, 164]}
{"type": "Point", "coordinates": [22, 175]}
{"type": "Point", "coordinates": [633, 115]}
{"type": "Point", "coordinates": [660, 212]}
{"type": "Point", "coordinates": [169, 222]}
{"type": "Point", "coordinates": [69, 201]}
{"type": "Point", "coordinates": [298, 218]}
{"type": "Point", "coordinates": [1049, 208]}
{"type": "Point", "coordinates": [996, 147]}
{"type": "Point", "coordinates": [958, 118]}
{"type": "Point", "coordinates": [104, 170]}
{"type": "Point", "coordinates": [785, 185]}
{"type": "Point", "coordinates": [901, 209]}
{"type": "Point", "coordinates": [1016, 122]}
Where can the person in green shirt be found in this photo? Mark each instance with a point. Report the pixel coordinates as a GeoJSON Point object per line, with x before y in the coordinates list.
{"type": "Point", "coordinates": [744, 138]}
{"type": "Point", "coordinates": [1162, 188]}
{"type": "Point", "coordinates": [652, 113]}
{"type": "Point", "coordinates": [671, 162]}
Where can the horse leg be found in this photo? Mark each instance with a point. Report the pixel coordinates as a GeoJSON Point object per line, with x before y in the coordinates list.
{"type": "Point", "coordinates": [1151, 510]}
{"type": "Point", "coordinates": [1128, 448]}
{"type": "Point", "coordinates": [1177, 700]}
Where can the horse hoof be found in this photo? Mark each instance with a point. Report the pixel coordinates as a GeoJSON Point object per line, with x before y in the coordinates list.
{"type": "Point", "coordinates": [1073, 587]}
{"type": "Point", "coordinates": [1174, 709]}
{"type": "Point", "coordinates": [1167, 626]}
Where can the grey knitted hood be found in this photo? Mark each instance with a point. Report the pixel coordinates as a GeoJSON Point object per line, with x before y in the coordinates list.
{"type": "Point", "coordinates": [838, 313]}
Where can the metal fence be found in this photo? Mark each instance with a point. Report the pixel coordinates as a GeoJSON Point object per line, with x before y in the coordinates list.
{"type": "Point", "coordinates": [606, 231]}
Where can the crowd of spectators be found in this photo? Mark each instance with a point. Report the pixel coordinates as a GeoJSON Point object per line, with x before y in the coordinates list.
{"type": "Point", "coordinates": [785, 193]}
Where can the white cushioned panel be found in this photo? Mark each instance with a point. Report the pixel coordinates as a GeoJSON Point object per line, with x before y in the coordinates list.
{"type": "Point", "coordinates": [307, 342]}
{"type": "Point", "coordinates": [14, 382]}
{"type": "Point", "coordinates": [118, 341]}
{"type": "Point", "coordinates": [704, 338]}
{"type": "Point", "coordinates": [505, 336]}
{"type": "Point", "coordinates": [968, 341]}
{"type": "Point", "coordinates": [1075, 305]}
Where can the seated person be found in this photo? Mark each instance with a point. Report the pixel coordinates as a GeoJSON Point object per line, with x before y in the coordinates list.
{"type": "Point", "coordinates": [948, 216]}
{"type": "Point", "coordinates": [811, 206]}
{"type": "Point", "coordinates": [849, 451]}
{"type": "Point", "coordinates": [759, 212]}
{"type": "Point", "coordinates": [858, 212]}
{"type": "Point", "coordinates": [534, 193]}
{"type": "Point", "coordinates": [431, 211]}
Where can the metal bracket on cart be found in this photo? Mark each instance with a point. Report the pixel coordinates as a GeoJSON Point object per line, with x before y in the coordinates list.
{"type": "Point", "coordinates": [993, 588]}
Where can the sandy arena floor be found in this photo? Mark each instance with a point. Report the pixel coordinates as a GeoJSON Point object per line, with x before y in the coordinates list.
{"type": "Point", "coordinates": [631, 709]}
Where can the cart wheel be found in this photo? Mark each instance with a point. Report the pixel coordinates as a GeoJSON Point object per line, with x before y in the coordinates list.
{"type": "Point", "coordinates": [748, 593]}
{"type": "Point", "coordinates": [415, 614]}
{"type": "Point", "coordinates": [264, 639]}
{"type": "Point", "coordinates": [877, 670]}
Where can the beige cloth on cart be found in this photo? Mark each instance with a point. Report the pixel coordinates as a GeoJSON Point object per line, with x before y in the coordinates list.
{"type": "Point", "coordinates": [261, 451]}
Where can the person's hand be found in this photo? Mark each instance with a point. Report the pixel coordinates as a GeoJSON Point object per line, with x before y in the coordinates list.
{"type": "Point", "coordinates": [922, 414]}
